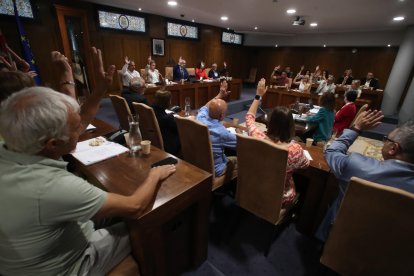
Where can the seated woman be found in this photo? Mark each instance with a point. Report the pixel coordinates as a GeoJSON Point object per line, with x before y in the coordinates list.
{"type": "Point", "coordinates": [280, 130]}
{"type": "Point", "coordinates": [304, 84]}
{"type": "Point", "coordinates": [166, 122]}
{"type": "Point", "coordinates": [200, 71]}
{"type": "Point", "coordinates": [153, 75]}
{"type": "Point", "coordinates": [346, 114]}
{"type": "Point", "coordinates": [324, 118]}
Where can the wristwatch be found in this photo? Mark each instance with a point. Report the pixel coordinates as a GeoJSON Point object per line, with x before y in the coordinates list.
{"type": "Point", "coordinates": [258, 97]}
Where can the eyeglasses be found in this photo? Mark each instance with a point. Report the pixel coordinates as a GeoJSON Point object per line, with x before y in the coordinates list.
{"type": "Point", "coordinates": [385, 139]}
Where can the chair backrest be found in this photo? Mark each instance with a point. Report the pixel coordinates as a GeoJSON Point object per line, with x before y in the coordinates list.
{"type": "Point", "coordinates": [191, 71]}
{"type": "Point", "coordinates": [261, 167]}
{"type": "Point", "coordinates": [120, 84]}
{"type": "Point", "coordinates": [148, 124]}
{"type": "Point", "coordinates": [362, 109]}
{"type": "Point", "coordinates": [208, 70]}
{"type": "Point", "coordinates": [168, 73]}
{"type": "Point", "coordinates": [373, 231]}
{"type": "Point", "coordinates": [195, 143]}
{"type": "Point", "coordinates": [122, 110]}
{"type": "Point", "coordinates": [252, 75]}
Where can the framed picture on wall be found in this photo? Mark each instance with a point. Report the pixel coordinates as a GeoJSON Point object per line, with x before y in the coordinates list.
{"type": "Point", "coordinates": [158, 47]}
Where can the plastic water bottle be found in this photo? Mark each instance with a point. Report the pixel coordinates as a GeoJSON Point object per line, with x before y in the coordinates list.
{"type": "Point", "coordinates": [187, 108]}
{"type": "Point", "coordinates": [135, 137]}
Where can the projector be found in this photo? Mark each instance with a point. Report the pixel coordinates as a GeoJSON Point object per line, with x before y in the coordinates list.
{"type": "Point", "coordinates": [299, 21]}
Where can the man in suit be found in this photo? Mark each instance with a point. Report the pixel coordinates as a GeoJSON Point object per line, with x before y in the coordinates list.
{"type": "Point", "coordinates": [213, 73]}
{"type": "Point", "coordinates": [370, 81]}
{"type": "Point", "coordinates": [396, 170]}
{"type": "Point", "coordinates": [346, 79]}
{"type": "Point", "coordinates": [179, 71]}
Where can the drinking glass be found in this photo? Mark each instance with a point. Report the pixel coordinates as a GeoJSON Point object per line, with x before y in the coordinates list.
{"type": "Point", "coordinates": [135, 137]}
{"type": "Point", "coordinates": [187, 108]}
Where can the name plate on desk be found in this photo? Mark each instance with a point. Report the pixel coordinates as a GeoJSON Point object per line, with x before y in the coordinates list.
{"type": "Point", "coordinates": [97, 149]}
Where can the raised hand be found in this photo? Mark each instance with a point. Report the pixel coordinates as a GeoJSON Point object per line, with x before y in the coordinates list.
{"type": "Point", "coordinates": [103, 79]}
{"type": "Point", "coordinates": [61, 63]}
{"type": "Point", "coordinates": [261, 87]}
{"type": "Point", "coordinates": [277, 67]}
{"type": "Point", "coordinates": [368, 119]}
{"type": "Point", "coordinates": [317, 68]}
{"type": "Point", "coordinates": [127, 60]}
{"type": "Point", "coordinates": [302, 67]}
{"type": "Point", "coordinates": [24, 66]}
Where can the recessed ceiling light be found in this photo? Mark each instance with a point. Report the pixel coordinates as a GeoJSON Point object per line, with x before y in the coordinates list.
{"type": "Point", "coordinates": [255, 28]}
{"type": "Point", "coordinates": [398, 18]}
{"type": "Point", "coordinates": [389, 45]}
{"type": "Point", "coordinates": [193, 20]}
{"type": "Point", "coordinates": [324, 45]}
{"type": "Point", "coordinates": [224, 18]}
{"type": "Point", "coordinates": [313, 24]}
{"type": "Point", "coordinates": [139, 9]}
{"type": "Point", "coordinates": [172, 3]}
{"type": "Point", "coordinates": [291, 11]}
{"type": "Point", "coordinates": [276, 45]}
{"type": "Point", "coordinates": [228, 29]}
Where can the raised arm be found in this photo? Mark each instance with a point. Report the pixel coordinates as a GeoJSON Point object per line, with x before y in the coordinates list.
{"type": "Point", "coordinates": [24, 66]}
{"type": "Point", "coordinates": [260, 91]}
{"type": "Point", "coordinates": [103, 81]}
{"type": "Point", "coordinates": [62, 66]}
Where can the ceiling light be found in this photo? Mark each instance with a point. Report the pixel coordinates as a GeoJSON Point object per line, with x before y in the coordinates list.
{"type": "Point", "coordinates": [324, 45]}
{"type": "Point", "coordinates": [224, 18]}
{"type": "Point", "coordinates": [313, 24]}
{"type": "Point", "coordinates": [255, 28]}
{"type": "Point", "coordinates": [389, 45]}
{"type": "Point", "coordinates": [193, 20]}
{"type": "Point", "coordinates": [276, 45]}
{"type": "Point", "coordinates": [172, 3]}
{"type": "Point", "coordinates": [291, 11]}
{"type": "Point", "coordinates": [139, 9]}
{"type": "Point", "coordinates": [398, 18]}
{"type": "Point", "coordinates": [228, 29]}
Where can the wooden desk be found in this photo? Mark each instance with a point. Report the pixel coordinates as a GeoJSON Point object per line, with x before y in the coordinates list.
{"type": "Point", "coordinates": [283, 97]}
{"type": "Point", "coordinates": [172, 236]}
{"type": "Point", "coordinates": [199, 93]}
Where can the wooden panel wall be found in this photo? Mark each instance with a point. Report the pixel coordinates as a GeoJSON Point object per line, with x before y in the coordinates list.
{"type": "Point", "coordinates": [378, 60]}
{"type": "Point", "coordinates": [44, 37]}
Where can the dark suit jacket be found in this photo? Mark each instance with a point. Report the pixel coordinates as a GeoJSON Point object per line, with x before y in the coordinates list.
{"type": "Point", "coordinates": [169, 130]}
{"type": "Point", "coordinates": [348, 81]}
{"type": "Point", "coordinates": [373, 83]}
{"type": "Point", "coordinates": [178, 74]}
{"type": "Point", "coordinates": [131, 97]}
{"type": "Point", "coordinates": [212, 75]}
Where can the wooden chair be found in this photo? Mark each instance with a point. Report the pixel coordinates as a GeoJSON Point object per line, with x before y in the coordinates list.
{"type": "Point", "coordinates": [196, 148]}
{"type": "Point", "coordinates": [148, 124]}
{"type": "Point", "coordinates": [373, 232]}
{"type": "Point", "coordinates": [168, 73]}
{"type": "Point", "coordinates": [120, 84]}
{"type": "Point", "coordinates": [261, 177]}
{"type": "Point", "coordinates": [191, 71]}
{"type": "Point", "coordinates": [127, 267]}
{"type": "Point", "coordinates": [252, 76]}
{"type": "Point", "coordinates": [122, 110]}
{"type": "Point", "coordinates": [362, 109]}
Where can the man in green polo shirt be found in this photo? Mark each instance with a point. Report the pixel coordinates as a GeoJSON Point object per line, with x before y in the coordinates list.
{"type": "Point", "coordinates": [45, 211]}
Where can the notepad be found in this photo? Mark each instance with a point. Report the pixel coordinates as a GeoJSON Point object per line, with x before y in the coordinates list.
{"type": "Point", "coordinates": [89, 155]}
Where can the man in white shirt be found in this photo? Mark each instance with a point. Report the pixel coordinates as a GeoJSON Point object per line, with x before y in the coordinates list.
{"type": "Point", "coordinates": [153, 75]}
{"type": "Point", "coordinates": [129, 72]}
{"type": "Point", "coordinates": [326, 86]}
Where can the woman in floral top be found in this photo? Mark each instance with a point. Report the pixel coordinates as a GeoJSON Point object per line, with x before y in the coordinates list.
{"type": "Point", "coordinates": [280, 130]}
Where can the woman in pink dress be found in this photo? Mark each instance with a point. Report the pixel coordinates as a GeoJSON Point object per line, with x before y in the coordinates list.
{"type": "Point", "coordinates": [280, 130]}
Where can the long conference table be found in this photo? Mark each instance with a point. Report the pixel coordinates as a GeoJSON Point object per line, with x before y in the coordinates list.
{"type": "Point", "coordinates": [171, 236]}
{"type": "Point", "coordinates": [199, 92]}
{"type": "Point", "coordinates": [285, 97]}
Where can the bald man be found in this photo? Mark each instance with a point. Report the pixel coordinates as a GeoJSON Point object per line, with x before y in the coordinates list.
{"type": "Point", "coordinates": [212, 114]}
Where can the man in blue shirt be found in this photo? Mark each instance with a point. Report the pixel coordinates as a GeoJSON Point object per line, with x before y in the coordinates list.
{"type": "Point", "coordinates": [212, 114]}
{"type": "Point", "coordinates": [397, 169]}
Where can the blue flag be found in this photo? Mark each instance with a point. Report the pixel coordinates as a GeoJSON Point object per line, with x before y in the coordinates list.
{"type": "Point", "coordinates": [27, 51]}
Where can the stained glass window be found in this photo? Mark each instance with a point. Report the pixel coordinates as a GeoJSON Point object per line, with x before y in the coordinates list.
{"type": "Point", "coordinates": [181, 30]}
{"type": "Point", "coordinates": [120, 21]}
{"type": "Point", "coordinates": [24, 8]}
{"type": "Point", "coordinates": [232, 38]}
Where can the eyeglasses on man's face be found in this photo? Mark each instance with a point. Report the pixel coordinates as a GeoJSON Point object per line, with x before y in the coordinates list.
{"type": "Point", "coordinates": [385, 139]}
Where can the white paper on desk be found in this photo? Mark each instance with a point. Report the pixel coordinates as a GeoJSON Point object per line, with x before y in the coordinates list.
{"type": "Point", "coordinates": [231, 130]}
{"type": "Point", "coordinates": [307, 154]}
{"type": "Point", "coordinates": [89, 155]}
{"type": "Point", "coordinates": [90, 127]}
{"type": "Point", "coordinates": [169, 111]}
{"type": "Point", "coordinates": [314, 110]}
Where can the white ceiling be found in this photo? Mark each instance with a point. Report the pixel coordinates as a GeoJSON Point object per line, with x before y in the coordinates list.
{"type": "Point", "coordinates": [271, 18]}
